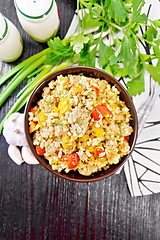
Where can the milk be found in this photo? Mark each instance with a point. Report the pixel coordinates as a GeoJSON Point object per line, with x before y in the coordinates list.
{"type": "Point", "coordinates": [39, 18]}
{"type": "Point", "coordinates": [11, 45]}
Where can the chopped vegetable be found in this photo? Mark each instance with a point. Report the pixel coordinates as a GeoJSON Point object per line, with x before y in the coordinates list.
{"type": "Point", "coordinates": [63, 105]}
{"type": "Point", "coordinates": [91, 158]}
{"type": "Point", "coordinates": [126, 138]}
{"type": "Point", "coordinates": [56, 101]}
{"type": "Point", "coordinates": [77, 89]}
{"type": "Point", "coordinates": [72, 160]}
{"type": "Point", "coordinates": [64, 157]}
{"type": "Point", "coordinates": [100, 153]}
{"type": "Point", "coordinates": [41, 118]}
{"type": "Point", "coordinates": [66, 142]}
{"type": "Point", "coordinates": [84, 138]}
{"type": "Point", "coordinates": [105, 108]}
{"type": "Point", "coordinates": [97, 131]}
{"type": "Point", "coordinates": [32, 110]}
{"type": "Point", "coordinates": [55, 109]}
{"type": "Point", "coordinates": [40, 151]}
{"type": "Point", "coordinates": [95, 88]}
{"type": "Point", "coordinates": [32, 127]}
{"type": "Point", "coordinates": [99, 112]}
{"type": "Point", "coordinates": [95, 114]}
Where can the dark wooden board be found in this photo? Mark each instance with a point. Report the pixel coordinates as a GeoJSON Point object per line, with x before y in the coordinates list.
{"type": "Point", "coordinates": [36, 205]}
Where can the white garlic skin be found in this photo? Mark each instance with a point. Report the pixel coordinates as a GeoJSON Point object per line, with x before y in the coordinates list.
{"type": "Point", "coordinates": [15, 155]}
{"type": "Point", "coordinates": [28, 156]}
{"type": "Point", "coordinates": [13, 130]}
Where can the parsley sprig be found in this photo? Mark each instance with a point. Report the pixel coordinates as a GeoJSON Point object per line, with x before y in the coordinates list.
{"type": "Point", "coordinates": [122, 58]}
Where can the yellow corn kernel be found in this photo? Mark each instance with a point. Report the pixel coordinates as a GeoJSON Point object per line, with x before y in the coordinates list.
{"type": "Point", "coordinates": [98, 131]}
{"type": "Point", "coordinates": [54, 160]}
{"type": "Point", "coordinates": [84, 138]}
{"type": "Point", "coordinates": [66, 142]}
{"type": "Point", "coordinates": [73, 138]}
{"type": "Point", "coordinates": [41, 118]}
{"type": "Point", "coordinates": [77, 89]}
{"type": "Point", "coordinates": [63, 105]}
{"type": "Point", "coordinates": [55, 109]}
{"type": "Point", "coordinates": [90, 149]}
{"type": "Point", "coordinates": [113, 106]}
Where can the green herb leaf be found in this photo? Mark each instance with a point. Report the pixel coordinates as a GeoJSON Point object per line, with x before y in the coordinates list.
{"type": "Point", "coordinates": [58, 51]}
{"type": "Point", "coordinates": [78, 42]}
{"type": "Point", "coordinates": [154, 71]}
{"type": "Point", "coordinates": [89, 22]}
{"type": "Point", "coordinates": [157, 40]}
{"type": "Point", "coordinates": [156, 23]}
{"type": "Point", "coordinates": [129, 49]}
{"type": "Point", "coordinates": [117, 11]}
{"type": "Point", "coordinates": [150, 34]}
{"type": "Point", "coordinates": [136, 85]}
{"type": "Point", "coordinates": [90, 58]}
{"type": "Point", "coordinates": [104, 54]}
{"type": "Point", "coordinates": [137, 6]}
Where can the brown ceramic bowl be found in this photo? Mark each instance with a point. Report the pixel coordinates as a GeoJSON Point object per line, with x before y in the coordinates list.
{"type": "Point", "coordinates": [95, 73]}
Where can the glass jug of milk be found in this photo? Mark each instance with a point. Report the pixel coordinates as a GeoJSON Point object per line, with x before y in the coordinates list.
{"type": "Point", "coordinates": [11, 45]}
{"type": "Point", "coordinates": [39, 18]}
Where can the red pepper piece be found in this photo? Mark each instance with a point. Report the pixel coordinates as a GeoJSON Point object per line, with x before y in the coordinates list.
{"type": "Point", "coordinates": [72, 160]}
{"type": "Point", "coordinates": [126, 138]}
{"type": "Point", "coordinates": [56, 101]}
{"type": "Point", "coordinates": [32, 110]}
{"type": "Point", "coordinates": [105, 108]}
{"type": "Point", "coordinates": [64, 157]}
{"type": "Point", "coordinates": [100, 110]}
{"type": "Point", "coordinates": [98, 151]}
{"type": "Point", "coordinates": [40, 151]}
{"type": "Point", "coordinates": [95, 88]}
{"type": "Point", "coordinates": [95, 114]}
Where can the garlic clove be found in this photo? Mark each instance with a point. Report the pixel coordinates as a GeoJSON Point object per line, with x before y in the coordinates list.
{"type": "Point", "coordinates": [28, 156]}
{"type": "Point", "coordinates": [15, 155]}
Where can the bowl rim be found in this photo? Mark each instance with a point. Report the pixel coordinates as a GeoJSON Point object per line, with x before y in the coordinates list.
{"type": "Point", "coordinates": [45, 81]}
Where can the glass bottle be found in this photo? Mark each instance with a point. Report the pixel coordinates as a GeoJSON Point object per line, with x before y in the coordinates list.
{"type": "Point", "coordinates": [39, 18]}
{"type": "Point", "coordinates": [11, 45]}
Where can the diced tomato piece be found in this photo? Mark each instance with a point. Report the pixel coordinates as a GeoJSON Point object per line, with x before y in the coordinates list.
{"type": "Point", "coordinates": [73, 160]}
{"type": "Point", "coordinates": [40, 151]}
{"type": "Point", "coordinates": [95, 88]}
{"type": "Point", "coordinates": [98, 152]}
{"type": "Point", "coordinates": [126, 138]}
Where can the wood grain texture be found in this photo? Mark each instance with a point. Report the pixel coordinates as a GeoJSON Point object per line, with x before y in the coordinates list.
{"type": "Point", "coordinates": [35, 205]}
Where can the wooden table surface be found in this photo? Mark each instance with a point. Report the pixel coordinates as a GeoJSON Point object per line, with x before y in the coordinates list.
{"type": "Point", "coordinates": [34, 204]}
